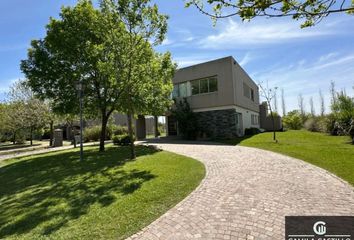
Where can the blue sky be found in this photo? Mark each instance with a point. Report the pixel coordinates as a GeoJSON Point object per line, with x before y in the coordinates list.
{"type": "Point", "coordinates": [273, 50]}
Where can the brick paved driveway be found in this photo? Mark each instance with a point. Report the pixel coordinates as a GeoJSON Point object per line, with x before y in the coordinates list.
{"type": "Point", "coordinates": [246, 194]}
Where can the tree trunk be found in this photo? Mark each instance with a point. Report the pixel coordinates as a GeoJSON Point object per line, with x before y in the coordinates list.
{"type": "Point", "coordinates": [51, 133]}
{"type": "Point", "coordinates": [31, 136]}
{"type": "Point", "coordinates": [131, 136]}
{"type": "Point", "coordinates": [156, 121]}
{"type": "Point", "coordinates": [103, 130]}
{"type": "Point", "coordinates": [273, 123]}
{"type": "Point", "coordinates": [14, 138]}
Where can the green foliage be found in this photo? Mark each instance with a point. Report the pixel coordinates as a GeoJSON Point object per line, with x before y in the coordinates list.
{"type": "Point", "coordinates": [109, 50]}
{"type": "Point", "coordinates": [123, 139]}
{"type": "Point", "coordinates": [116, 130]}
{"type": "Point", "coordinates": [92, 134]}
{"type": "Point", "coordinates": [292, 120]}
{"type": "Point", "coordinates": [187, 120]}
{"type": "Point", "coordinates": [310, 11]}
{"type": "Point", "coordinates": [343, 114]}
{"type": "Point", "coordinates": [312, 124]}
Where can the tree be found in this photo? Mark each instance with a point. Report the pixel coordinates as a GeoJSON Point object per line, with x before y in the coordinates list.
{"type": "Point", "coordinates": [312, 12]}
{"type": "Point", "coordinates": [33, 111]}
{"type": "Point", "coordinates": [283, 102]}
{"type": "Point", "coordinates": [293, 120]}
{"type": "Point", "coordinates": [268, 94]}
{"type": "Point", "coordinates": [275, 102]}
{"type": "Point", "coordinates": [301, 105]}
{"type": "Point", "coordinates": [312, 107]}
{"type": "Point", "coordinates": [145, 76]}
{"type": "Point", "coordinates": [75, 50]}
{"type": "Point", "coordinates": [187, 119]}
{"type": "Point", "coordinates": [322, 104]}
{"type": "Point", "coordinates": [12, 121]}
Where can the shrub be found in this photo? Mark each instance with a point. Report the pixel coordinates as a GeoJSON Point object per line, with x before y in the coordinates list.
{"type": "Point", "coordinates": [119, 130]}
{"type": "Point", "coordinates": [122, 139]}
{"type": "Point", "coordinates": [187, 120]}
{"type": "Point", "coordinates": [251, 131]}
{"type": "Point", "coordinates": [92, 133]}
{"type": "Point", "coordinates": [292, 120]}
{"type": "Point", "coordinates": [312, 125]}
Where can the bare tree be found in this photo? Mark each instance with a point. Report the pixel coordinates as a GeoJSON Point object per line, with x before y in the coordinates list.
{"type": "Point", "coordinates": [322, 103]}
{"type": "Point", "coordinates": [333, 93]}
{"type": "Point", "coordinates": [275, 101]}
{"type": "Point", "coordinates": [301, 104]}
{"type": "Point", "coordinates": [283, 102]}
{"type": "Point", "coordinates": [312, 107]}
{"type": "Point", "coordinates": [269, 94]}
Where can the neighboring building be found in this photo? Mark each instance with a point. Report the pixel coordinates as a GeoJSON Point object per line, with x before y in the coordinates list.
{"type": "Point", "coordinates": [222, 94]}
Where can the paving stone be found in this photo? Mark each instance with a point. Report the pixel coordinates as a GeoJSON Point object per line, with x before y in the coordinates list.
{"type": "Point", "coordinates": [247, 193]}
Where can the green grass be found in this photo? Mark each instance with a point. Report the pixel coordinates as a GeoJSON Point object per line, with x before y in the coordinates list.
{"type": "Point", "coordinates": [55, 196]}
{"type": "Point", "coordinates": [332, 153]}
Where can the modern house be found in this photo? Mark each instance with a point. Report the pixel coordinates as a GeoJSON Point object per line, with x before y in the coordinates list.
{"type": "Point", "coordinates": [222, 94]}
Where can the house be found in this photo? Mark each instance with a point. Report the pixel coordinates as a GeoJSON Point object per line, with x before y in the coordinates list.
{"type": "Point", "coordinates": [222, 94]}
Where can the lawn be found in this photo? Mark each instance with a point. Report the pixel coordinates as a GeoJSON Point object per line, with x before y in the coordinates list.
{"type": "Point", "coordinates": [55, 196]}
{"type": "Point", "coordinates": [332, 153]}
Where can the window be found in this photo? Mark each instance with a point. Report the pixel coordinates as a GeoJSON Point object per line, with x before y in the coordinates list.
{"type": "Point", "coordinates": [183, 90]}
{"type": "Point", "coordinates": [254, 119]}
{"type": "Point", "coordinates": [195, 87]}
{"type": "Point", "coordinates": [175, 91]}
{"type": "Point", "coordinates": [204, 85]}
{"type": "Point", "coordinates": [248, 92]}
{"type": "Point", "coordinates": [213, 84]}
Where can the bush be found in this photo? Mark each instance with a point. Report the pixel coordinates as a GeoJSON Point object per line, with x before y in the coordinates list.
{"type": "Point", "coordinates": [292, 120]}
{"type": "Point", "coordinates": [187, 120]}
{"type": "Point", "coordinates": [312, 125]}
{"type": "Point", "coordinates": [123, 139]}
{"type": "Point", "coordinates": [251, 131]}
{"type": "Point", "coordinates": [92, 133]}
{"type": "Point", "coordinates": [118, 130]}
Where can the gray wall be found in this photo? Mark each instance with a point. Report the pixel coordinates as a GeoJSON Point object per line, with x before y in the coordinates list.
{"type": "Point", "coordinates": [230, 84]}
{"type": "Point", "coordinates": [220, 67]}
{"type": "Point", "coordinates": [240, 77]}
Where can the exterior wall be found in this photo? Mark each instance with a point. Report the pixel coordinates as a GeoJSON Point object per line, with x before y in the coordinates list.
{"type": "Point", "coordinates": [217, 111]}
{"type": "Point", "coordinates": [218, 123]}
{"type": "Point", "coordinates": [240, 77]}
{"type": "Point", "coordinates": [266, 121]}
{"type": "Point", "coordinates": [222, 68]}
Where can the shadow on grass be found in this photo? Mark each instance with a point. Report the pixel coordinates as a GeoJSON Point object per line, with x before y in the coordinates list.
{"type": "Point", "coordinates": [52, 190]}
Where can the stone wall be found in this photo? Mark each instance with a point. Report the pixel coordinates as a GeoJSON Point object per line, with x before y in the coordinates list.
{"type": "Point", "coordinates": [218, 124]}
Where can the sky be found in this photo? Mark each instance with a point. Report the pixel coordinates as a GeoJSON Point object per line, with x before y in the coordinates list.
{"type": "Point", "coordinates": [274, 51]}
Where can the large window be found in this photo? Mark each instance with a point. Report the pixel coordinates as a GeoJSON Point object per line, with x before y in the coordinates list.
{"type": "Point", "coordinates": [205, 85]}
{"type": "Point", "coordinates": [195, 87]}
{"type": "Point", "coordinates": [254, 119]}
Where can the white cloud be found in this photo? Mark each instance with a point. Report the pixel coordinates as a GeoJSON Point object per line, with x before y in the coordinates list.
{"type": "Point", "coordinates": [233, 34]}
{"type": "Point", "coordinates": [246, 59]}
{"type": "Point", "coordinates": [308, 78]}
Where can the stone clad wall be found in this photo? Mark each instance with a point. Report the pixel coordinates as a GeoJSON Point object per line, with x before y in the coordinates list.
{"type": "Point", "coordinates": [218, 124]}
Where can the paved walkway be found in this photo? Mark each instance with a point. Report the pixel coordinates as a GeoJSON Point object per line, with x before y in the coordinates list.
{"type": "Point", "coordinates": [246, 194]}
{"type": "Point", "coordinates": [44, 150]}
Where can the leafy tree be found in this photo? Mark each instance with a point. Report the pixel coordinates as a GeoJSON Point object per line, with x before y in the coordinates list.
{"type": "Point", "coordinates": [292, 120]}
{"type": "Point", "coordinates": [343, 111]}
{"type": "Point", "coordinates": [74, 50]}
{"type": "Point", "coordinates": [322, 103]}
{"type": "Point", "coordinates": [143, 76]}
{"type": "Point", "coordinates": [311, 11]}
{"type": "Point", "coordinates": [12, 121]}
{"type": "Point", "coordinates": [31, 110]}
